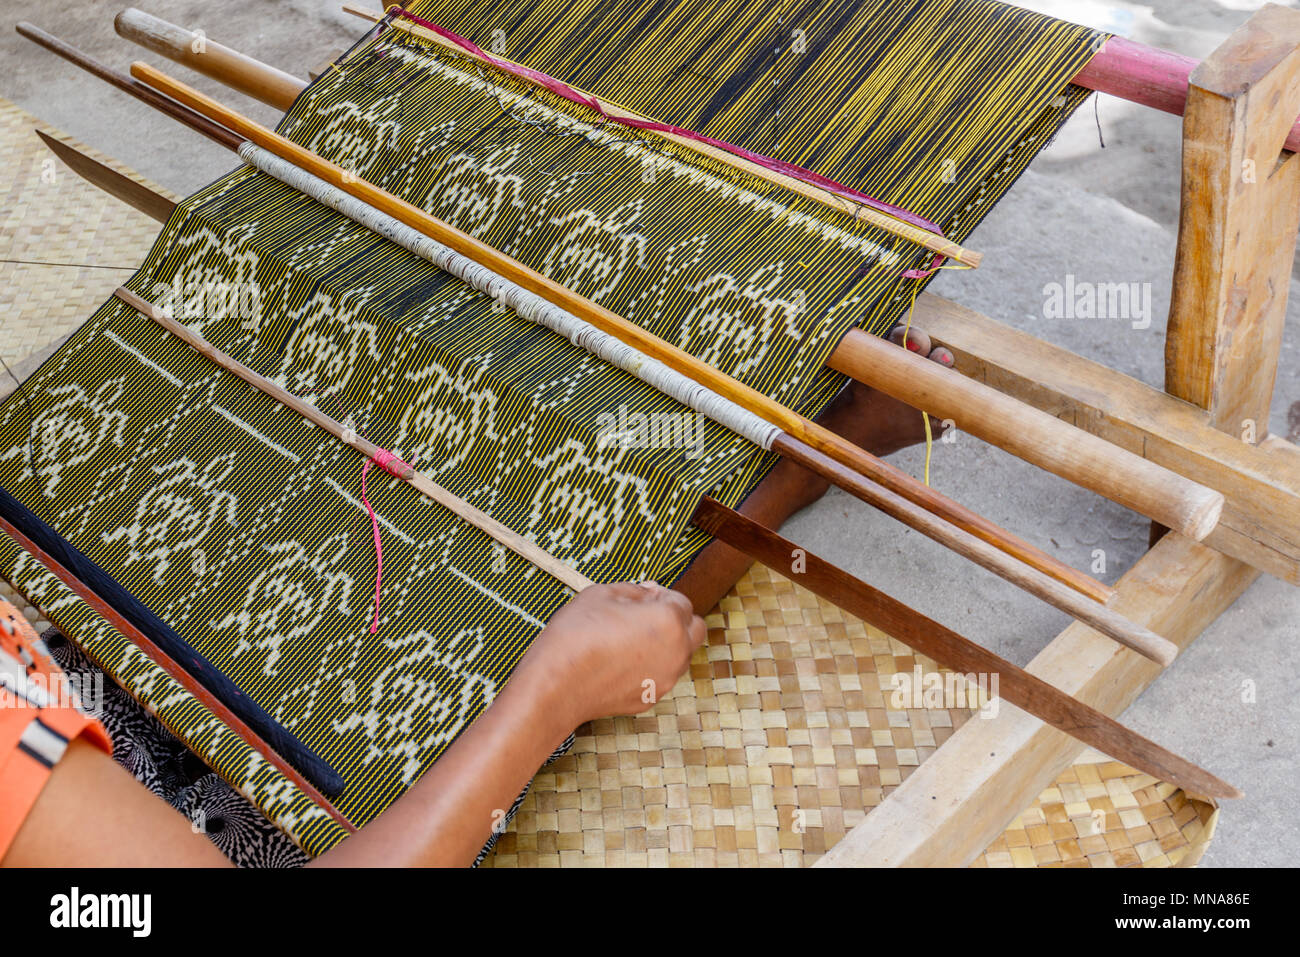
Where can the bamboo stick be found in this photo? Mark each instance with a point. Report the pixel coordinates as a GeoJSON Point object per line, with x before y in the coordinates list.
{"type": "Point", "coordinates": [1033, 435]}
{"type": "Point", "coordinates": [481, 520]}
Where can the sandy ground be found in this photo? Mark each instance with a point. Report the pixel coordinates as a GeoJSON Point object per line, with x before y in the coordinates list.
{"type": "Point", "coordinates": [1101, 215]}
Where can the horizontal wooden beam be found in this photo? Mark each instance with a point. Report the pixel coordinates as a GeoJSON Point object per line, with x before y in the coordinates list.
{"type": "Point", "coordinates": [203, 55]}
{"type": "Point", "coordinates": [1148, 76]}
{"type": "Point", "coordinates": [965, 794]}
{"type": "Point", "coordinates": [1260, 524]}
{"type": "Point", "coordinates": [1031, 434]}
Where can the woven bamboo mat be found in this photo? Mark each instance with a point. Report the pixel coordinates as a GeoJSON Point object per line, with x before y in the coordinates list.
{"type": "Point", "coordinates": [785, 733]}
{"type": "Point", "coordinates": [64, 245]}
{"type": "Point", "coordinates": [781, 738]}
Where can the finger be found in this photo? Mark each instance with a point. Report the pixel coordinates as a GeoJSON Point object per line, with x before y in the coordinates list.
{"type": "Point", "coordinates": [697, 632]}
{"type": "Point", "coordinates": [680, 604]}
{"type": "Point", "coordinates": [917, 339]}
{"type": "Point", "coordinates": [629, 591]}
{"type": "Point", "coordinates": [943, 356]}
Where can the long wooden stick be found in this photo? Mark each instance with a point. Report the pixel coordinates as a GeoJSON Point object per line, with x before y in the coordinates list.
{"type": "Point", "coordinates": [1031, 434]}
{"type": "Point", "coordinates": [526, 548]}
{"type": "Point", "coordinates": [951, 650]}
{"type": "Point", "coordinates": [205, 55]}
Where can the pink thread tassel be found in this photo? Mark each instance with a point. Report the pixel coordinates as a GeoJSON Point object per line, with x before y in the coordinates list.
{"type": "Point", "coordinates": [390, 463]}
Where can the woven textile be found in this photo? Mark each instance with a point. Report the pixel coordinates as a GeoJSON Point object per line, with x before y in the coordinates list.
{"type": "Point", "coordinates": [241, 526]}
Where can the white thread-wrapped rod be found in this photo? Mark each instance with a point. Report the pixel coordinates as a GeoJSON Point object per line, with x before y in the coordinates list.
{"type": "Point", "coordinates": [526, 304]}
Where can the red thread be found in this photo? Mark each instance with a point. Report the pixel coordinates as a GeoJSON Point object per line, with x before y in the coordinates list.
{"type": "Point", "coordinates": [391, 464]}
{"type": "Point", "coordinates": [933, 268]}
{"type": "Point", "coordinates": [562, 89]}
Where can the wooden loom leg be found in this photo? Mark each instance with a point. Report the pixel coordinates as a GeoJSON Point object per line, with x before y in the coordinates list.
{"type": "Point", "coordinates": [1230, 290]}
{"type": "Point", "coordinates": [1237, 235]}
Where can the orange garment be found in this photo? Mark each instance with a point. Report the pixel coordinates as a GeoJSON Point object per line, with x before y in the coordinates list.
{"type": "Point", "coordinates": [38, 717]}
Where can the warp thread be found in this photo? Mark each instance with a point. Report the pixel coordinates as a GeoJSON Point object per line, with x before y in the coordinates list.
{"type": "Point", "coordinates": [562, 89]}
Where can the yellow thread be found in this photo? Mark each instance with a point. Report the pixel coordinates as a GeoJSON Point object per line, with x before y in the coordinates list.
{"type": "Point", "coordinates": [925, 416]}
{"type": "Point", "coordinates": [929, 445]}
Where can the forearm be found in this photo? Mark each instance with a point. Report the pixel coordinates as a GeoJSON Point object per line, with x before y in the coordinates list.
{"type": "Point", "coordinates": [448, 814]}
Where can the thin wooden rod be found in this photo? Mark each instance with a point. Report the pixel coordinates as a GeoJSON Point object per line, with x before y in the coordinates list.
{"type": "Point", "coordinates": [1031, 434]}
{"type": "Point", "coordinates": [127, 85]}
{"type": "Point", "coordinates": [951, 650]}
{"type": "Point", "coordinates": [204, 55]}
{"type": "Point", "coordinates": [521, 546]}
{"type": "Point", "coordinates": [179, 674]}
{"type": "Point", "coordinates": [798, 429]}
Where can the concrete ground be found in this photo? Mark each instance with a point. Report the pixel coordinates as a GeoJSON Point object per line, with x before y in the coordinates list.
{"type": "Point", "coordinates": [1099, 215]}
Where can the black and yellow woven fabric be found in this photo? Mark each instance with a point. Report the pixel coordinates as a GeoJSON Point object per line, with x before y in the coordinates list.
{"type": "Point", "coordinates": [241, 525]}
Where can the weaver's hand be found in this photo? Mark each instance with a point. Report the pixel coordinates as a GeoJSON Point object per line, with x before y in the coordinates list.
{"type": "Point", "coordinates": [616, 649]}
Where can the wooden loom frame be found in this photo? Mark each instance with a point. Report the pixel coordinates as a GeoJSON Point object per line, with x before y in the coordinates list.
{"type": "Point", "coordinates": [1235, 248]}
{"type": "Point", "coordinates": [1236, 244]}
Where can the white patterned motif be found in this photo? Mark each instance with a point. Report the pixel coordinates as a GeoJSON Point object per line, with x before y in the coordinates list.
{"type": "Point", "coordinates": [177, 513]}
{"type": "Point", "coordinates": [283, 604]}
{"type": "Point", "coordinates": [72, 431]}
{"type": "Point", "coordinates": [593, 253]}
{"type": "Point", "coordinates": [329, 342]}
{"type": "Point", "coordinates": [421, 701]}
